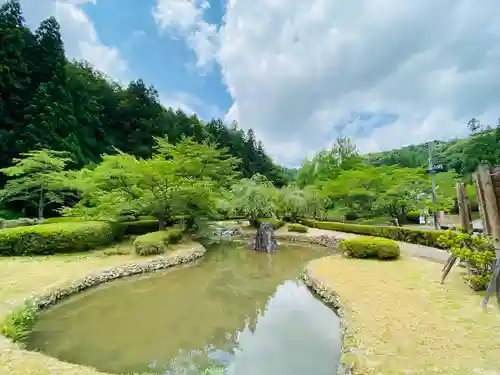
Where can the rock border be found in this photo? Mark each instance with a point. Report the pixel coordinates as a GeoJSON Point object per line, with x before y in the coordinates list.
{"type": "Point", "coordinates": [332, 299]}
{"type": "Point", "coordinates": [331, 242]}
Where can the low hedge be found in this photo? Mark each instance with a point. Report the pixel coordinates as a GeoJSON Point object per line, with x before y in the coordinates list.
{"type": "Point", "coordinates": [276, 223]}
{"type": "Point", "coordinates": [54, 238]}
{"type": "Point", "coordinates": [370, 247]}
{"type": "Point", "coordinates": [140, 227]}
{"type": "Point", "coordinates": [411, 235]}
{"type": "Point", "coordinates": [157, 242]}
{"type": "Point", "coordinates": [297, 228]}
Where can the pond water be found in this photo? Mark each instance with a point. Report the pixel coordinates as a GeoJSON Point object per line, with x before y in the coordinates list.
{"type": "Point", "coordinates": [235, 308]}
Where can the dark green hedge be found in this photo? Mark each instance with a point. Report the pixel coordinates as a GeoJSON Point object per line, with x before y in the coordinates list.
{"type": "Point", "coordinates": [370, 247]}
{"type": "Point", "coordinates": [140, 227]}
{"type": "Point", "coordinates": [157, 242]}
{"type": "Point", "coordinates": [416, 236]}
{"type": "Point", "coordinates": [54, 238]}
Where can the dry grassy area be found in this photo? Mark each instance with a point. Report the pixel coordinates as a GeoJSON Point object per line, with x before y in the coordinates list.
{"type": "Point", "coordinates": [21, 276]}
{"type": "Point", "coordinates": [406, 322]}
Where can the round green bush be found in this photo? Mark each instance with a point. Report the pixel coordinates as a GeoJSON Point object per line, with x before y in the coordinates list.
{"type": "Point", "coordinates": [156, 242]}
{"type": "Point", "coordinates": [370, 247]}
{"type": "Point", "coordinates": [297, 228]}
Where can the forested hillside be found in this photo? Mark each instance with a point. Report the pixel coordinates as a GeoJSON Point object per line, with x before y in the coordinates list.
{"type": "Point", "coordinates": [459, 155]}
{"type": "Point", "coordinates": [50, 102]}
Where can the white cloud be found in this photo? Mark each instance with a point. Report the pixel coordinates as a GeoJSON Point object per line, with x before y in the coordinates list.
{"type": "Point", "coordinates": [190, 105]}
{"type": "Point", "coordinates": [79, 35]}
{"type": "Point", "coordinates": [297, 68]}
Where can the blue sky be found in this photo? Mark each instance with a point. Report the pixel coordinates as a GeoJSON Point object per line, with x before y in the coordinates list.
{"type": "Point", "coordinates": [157, 58]}
{"type": "Point", "coordinates": [387, 73]}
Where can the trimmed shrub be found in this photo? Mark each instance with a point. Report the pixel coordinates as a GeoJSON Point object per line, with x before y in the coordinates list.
{"type": "Point", "coordinates": [144, 217]}
{"type": "Point", "coordinates": [416, 236]}
{"type": "Point", "coordinates": [297, 228]}
{"type": "Point", "coordinates": [413, 217]}
{"type": "Point", "coordinates": [54, 238]}
{"type": "Point", "coordinates": [276, 224]}
{"type": "Point", "coordinates": [140, 227]}
{"type": "Point", "coordinates": [126, 219]}
{"type": "Point", "coordinates": [370, 247]}
{"type": "Point", "coordinates": [157, 242]}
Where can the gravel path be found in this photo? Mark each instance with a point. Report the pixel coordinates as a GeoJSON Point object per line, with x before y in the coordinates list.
{"type": "Point", "coordinates": [419, 251]}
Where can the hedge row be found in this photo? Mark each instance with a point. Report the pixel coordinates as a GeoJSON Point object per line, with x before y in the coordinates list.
{"type": "Point", "coordinates": [54, 238]}
{"type": "Point", "coordinates": [370, 247]}
{"type": "Point", "coordinates": [157, 242]}
{"type": "Point", "coordinates": [416, 236]}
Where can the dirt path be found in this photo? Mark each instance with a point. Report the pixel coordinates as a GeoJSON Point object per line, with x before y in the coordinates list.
{"type": "Point", "coordinates": [420, 251]}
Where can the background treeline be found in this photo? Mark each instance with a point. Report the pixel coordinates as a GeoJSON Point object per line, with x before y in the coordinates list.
{"type": "Point", "coordinates": [50, 102]}
{"type": "Point", "coordinates": [459, 155]}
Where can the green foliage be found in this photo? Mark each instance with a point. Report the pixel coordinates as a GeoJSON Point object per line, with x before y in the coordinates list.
{"type": "Point", "coordinates": [64, 219]}
{"type": "Point", "coordinates": [179, 180]}
{"type": "Point", "coordinates": [18, 324]}
{"type": "Point", "coordinates": [275, 223]}
{"type": "Point", "coordinates": [297, 228]}
{"type": "Point", "coordinates": [370, 247]}
{"type": "Point", "coordinates": [37, 179]}
{"type": "Point", "coordinates": [417, 236]}
{"type": "Point", "coordinates": [6, 214]}
{"type": "Point", "coordinates": [328, 164]}
{"type": "Point", "coordinates": [252, 198]}
{"type": "Point", "coordinates": [156, 242]}
{"type": "Point", "coordinates": [54, 238]}
{"type": "Point", "coordinates": [140, 227]}
{"type": "Point", "coordinates": [477, 251]}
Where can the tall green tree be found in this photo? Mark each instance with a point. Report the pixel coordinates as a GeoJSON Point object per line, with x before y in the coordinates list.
{"type": "Point", "coordinates": [36, 179]}
{"type": "Point", "coordinates": [182, 179]}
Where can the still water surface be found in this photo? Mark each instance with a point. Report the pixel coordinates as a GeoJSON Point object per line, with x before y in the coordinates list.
{"type": "Point", "coordinates": [235, 308]}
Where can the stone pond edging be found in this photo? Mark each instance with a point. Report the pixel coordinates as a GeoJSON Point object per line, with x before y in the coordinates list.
{"type": "Point", "coordinates": [332, 299]}
{"type": "Point", "coordinates": [326, 241]}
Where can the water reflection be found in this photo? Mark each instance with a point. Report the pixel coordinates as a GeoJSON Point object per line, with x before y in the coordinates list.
{"type": "Point", "coordinates": [235, 309]}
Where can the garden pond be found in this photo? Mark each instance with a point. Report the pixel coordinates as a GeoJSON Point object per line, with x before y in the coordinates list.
{"type": "Point", "coordinates": [235, 308]}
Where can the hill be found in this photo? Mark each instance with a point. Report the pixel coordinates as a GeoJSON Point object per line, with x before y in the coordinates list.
{"type": "Point", "coordinates": [459, 155]}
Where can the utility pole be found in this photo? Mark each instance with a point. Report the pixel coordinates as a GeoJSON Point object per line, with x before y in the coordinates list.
{"type": "Point", "coordinates": [433, 177]}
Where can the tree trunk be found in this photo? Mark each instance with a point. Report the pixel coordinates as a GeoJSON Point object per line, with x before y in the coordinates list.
{"type": "Point", "coordinates": [41, 204]}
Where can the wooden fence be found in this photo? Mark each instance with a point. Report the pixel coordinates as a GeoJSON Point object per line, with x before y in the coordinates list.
{"type": "Point", "coordinates": [487, 184]}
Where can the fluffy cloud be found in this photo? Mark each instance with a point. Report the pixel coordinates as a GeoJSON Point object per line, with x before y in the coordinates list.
{"type": "Point", "coordinates": [190, 104]}
{"type": "Point", "coordinates": [301, 72]}
{"type": "Point", "coordinates": [79, 35]}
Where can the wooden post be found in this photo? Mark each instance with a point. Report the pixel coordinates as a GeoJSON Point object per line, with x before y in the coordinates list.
{"type": "Point", "coordinates": [493, 218]}
{"type": "Point", "coordinates": [480, 204]}
{"type": "Point", "coordinates": [464, 207]}
{"type": "Point", "coordinates": [465, 223]}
